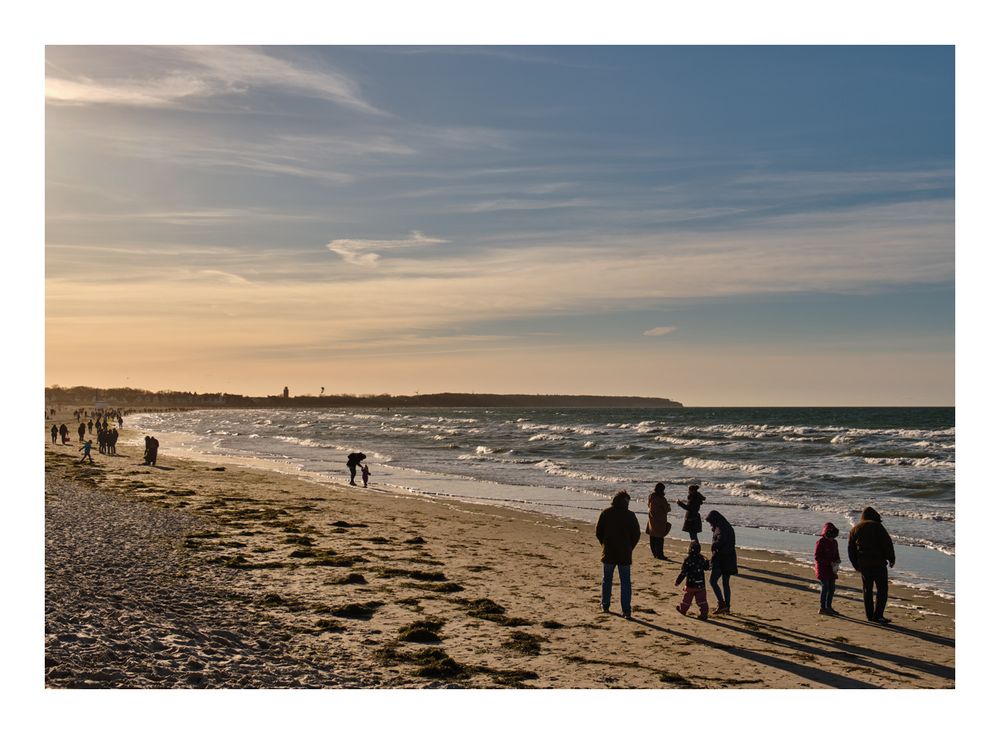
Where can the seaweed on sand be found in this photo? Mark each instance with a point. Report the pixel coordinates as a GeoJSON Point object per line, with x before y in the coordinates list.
{"type": "Point", "coordinates": [423, 631]}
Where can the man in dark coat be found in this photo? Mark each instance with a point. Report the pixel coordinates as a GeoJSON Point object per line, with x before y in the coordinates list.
{"type": "Point", "coordinates": [723, 559]}
{"type": "Point", "coordinates": [869, 548]}
{"type": "Point", "coordinates": [618, 532]}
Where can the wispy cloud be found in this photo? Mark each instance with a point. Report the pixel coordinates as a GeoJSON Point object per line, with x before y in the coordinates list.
{"type": "Point", "coordinates": [183, 73]}
{"type": "Point", "coordinates": [363, 252]}
{"type": "Point", "coordinates": [659, 331]}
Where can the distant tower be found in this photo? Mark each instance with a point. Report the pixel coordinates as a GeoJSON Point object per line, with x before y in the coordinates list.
{"type": "Point", "coordinates": [284, 393]}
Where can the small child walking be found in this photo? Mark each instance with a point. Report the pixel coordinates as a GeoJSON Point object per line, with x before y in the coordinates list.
{"type": "Point", "coordinates": [827, 563]}
{"type": "Point", "coordinates": [365, 474]}
{"type": "Point", "coordinates": [86, 453]}
{"type": "Point", "coordinates": [693, 569]}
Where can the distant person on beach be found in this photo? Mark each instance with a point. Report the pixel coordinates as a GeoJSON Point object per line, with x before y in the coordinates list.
{"type": "Point", "coordinates": [64, 433]}
{"type": "Point", "coordinates": [618, 532]}
{"type": "Point", "coordinates": [90, 426]}
{"type": "Point", "coordinates": [81, 430]}
{"type": "Point", "coordinates": [121, 422]}
{"type": "Point", "coordinates": [365, 474]}
{"type": "Point", "coordinates": [723, 558]}
{"type": "Point", "coordinates": [657, 526]}
{"type": "Point", "coordinates": [869, 548]}
{"type": "Point", "coordinates": [154, 449]}
{"type": "Point", "coordinates": [113, 442]}
{"type": "Point", "coordinates": [693, 569]}
{"type": "Point", "coordinates": [86, 453]}
{"type": "Point", "coordinates": [145, 451]}
{"type": "Point", "coordinates": [55, 433]}
{"type": "Point", "coordinates": [353, 460]}
{"type": "Point", "coordinates": [692, 507]}
{"type": "Point", "coordinates": [827, 556]}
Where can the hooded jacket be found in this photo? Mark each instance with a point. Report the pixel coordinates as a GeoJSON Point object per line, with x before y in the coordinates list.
{"type": "Point", "coordinates": [618, 532]}
{"type": "Point", "coordinates": [723, 544]}
{"type": "Point", "coordinates": [826, 554]}
{"type": "Point", "coordinates": [869, 546]}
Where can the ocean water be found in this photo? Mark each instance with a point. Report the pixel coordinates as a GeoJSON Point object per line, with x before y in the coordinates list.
{"type": "Point", "coordinates": [777, 474]}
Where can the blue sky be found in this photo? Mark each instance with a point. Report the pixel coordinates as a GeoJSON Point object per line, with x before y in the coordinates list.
{"type": "Point", "coordinates": [720, 225]}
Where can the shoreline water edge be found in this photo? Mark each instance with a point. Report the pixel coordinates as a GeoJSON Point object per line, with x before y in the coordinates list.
{"type": "Point", "coordinates": [225, 572]}
{"type": "Point", "coordinates": [568, 463]}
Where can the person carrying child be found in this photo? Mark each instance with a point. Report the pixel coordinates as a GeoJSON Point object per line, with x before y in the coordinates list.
{"type": "Point", "coordinates": [693, 569]}
{"type": "Point", "coordinates": [827, 556]}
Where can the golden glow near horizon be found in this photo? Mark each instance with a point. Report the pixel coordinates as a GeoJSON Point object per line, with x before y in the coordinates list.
{"type": "Point", "coordinates": [243, 219]}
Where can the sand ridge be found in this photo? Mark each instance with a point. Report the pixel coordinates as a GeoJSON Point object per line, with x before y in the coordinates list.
{"type": "Point", "coordinates": [234, 577]}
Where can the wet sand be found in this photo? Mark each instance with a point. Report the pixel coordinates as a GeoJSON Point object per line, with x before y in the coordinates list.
{"type": "Point", "coordinates": [192, 574]}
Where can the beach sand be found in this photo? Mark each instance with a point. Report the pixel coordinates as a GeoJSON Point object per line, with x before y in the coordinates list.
{"type": "Point", "coordinates": [194, 574]}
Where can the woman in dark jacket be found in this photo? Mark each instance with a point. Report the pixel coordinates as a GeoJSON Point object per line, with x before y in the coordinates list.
{"type": "Point", "coordinates": [692, 518]}
{"type": "Point", "coordinates": [723, 558]}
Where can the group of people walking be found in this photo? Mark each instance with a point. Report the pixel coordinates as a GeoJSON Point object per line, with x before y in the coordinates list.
{"type": "Point", "coordinates": [618, 532]}
{"type": "Point", "coordinates": [870, 550]}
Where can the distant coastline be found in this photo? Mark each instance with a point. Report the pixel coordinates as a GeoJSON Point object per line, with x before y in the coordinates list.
{"type": "Point", "coordinates": [82, 396]}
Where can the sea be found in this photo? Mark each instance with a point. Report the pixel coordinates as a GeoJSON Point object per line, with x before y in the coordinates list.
{"type": "Point", "coordinates": [777, 474]}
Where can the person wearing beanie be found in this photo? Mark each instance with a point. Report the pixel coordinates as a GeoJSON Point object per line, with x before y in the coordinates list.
{"type": "Point", "coordinates": [827, 555]}
{"type": "Point", "coordinates": [693, 569]}
{"type": "Point", "coordinates": [618, 533]}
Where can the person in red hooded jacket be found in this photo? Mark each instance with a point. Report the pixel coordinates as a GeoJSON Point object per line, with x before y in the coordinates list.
{"type": "Point", "coordinates": [827, 560]}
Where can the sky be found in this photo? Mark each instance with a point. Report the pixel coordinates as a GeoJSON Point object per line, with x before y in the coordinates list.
{"type": "Point", "coordinates": [718, 225]}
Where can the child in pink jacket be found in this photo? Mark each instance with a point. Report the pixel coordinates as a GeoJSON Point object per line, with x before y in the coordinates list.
{"type": "Point", "coordinates": [827, 561]}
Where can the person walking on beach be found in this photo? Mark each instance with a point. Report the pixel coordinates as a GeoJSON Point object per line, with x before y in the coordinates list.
{"type": "Point", "coordinates": [869, 549]}
{"type": "Point", "coordinates": [827, 556]}
{"type": "Point", "coordinates": [55, 433]}
{"type": "Point", "coordinates": [657, 526]}
{"type": "Point", "coordinates": [90, 426]}
{"type": "Point", "coordinates": [113, 442]}
{"type": "Point", "coordinates": [618, 533]}
{"type": "Point", "coordinates": [723, 559]}
{"type": "Point", "coordinates": [353, 460]}
{"type": "Point", "coordinates": [64, 433]}
{"type": "Point", "coordinates": [81, 430]}
{"type": "Point", "coordinates": [365, 474]}
{"type": "Point", "coordinates": [154, 448]}
{"type": "Point", "coordinates": [693, 569]}
{"type": "Point", "coordinates": [692, 507]}
{"type": "Point", "coordinates": [86, 453]}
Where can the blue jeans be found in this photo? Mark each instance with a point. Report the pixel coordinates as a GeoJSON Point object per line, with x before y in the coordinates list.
{"type": "Point", "coordinates": [625, 576]}
{"type": "Point", "coordinates": [827, 587]}
{"type": "Point", "coordinates": [723, 594]}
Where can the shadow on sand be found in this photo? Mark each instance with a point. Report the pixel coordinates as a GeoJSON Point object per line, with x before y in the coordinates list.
{"type": "Point", "coordinates": [812, 673]}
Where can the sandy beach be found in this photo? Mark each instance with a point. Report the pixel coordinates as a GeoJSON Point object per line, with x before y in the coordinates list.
{"type": "Point", "coordinates": [207, 575]}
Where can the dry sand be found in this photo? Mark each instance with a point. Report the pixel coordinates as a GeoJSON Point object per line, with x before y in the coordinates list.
{"type": "Point", "coordinates": [191, 574]}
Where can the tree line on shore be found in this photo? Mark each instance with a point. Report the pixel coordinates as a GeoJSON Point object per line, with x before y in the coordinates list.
{"type": "Point", "coordinates": [81, 395]}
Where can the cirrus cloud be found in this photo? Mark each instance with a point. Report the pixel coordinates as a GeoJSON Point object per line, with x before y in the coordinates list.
{"type": "Point", "coordinates": [659, 331]}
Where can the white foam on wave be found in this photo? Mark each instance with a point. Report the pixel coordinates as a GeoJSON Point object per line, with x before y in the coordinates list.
{"type": "Point", "coordinates": [685, 441]}
{"type": "Point", "coordinates": [555, 469]}
{"type": "Point", "coordinates": [693, 462]}
{"type": "Point", "coordinates": [547, 437]}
